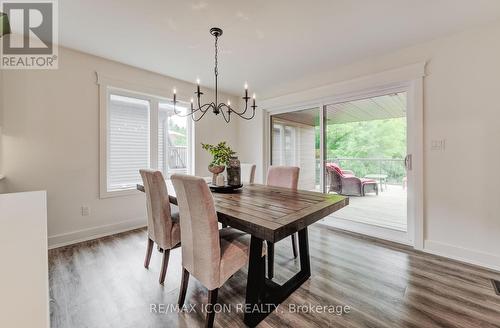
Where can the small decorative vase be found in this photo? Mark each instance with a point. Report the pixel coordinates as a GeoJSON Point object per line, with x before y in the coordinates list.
{"type": "Point", "coordinates": [220, 180]}
{"type": "Point", "coordinates": [234, 172]}
{"type": "Point", "coordinates": [215, 170]}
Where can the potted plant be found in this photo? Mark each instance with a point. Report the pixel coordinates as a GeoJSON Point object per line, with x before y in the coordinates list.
{"type": "Point", "coordinates": [221, 154]}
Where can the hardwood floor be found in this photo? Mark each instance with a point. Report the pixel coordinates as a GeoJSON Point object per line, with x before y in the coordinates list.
{"type": "Point", "coordinates": [103, 283]}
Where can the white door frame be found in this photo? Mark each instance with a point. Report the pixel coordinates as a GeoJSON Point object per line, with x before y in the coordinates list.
{"type": "Point", "coordinates": [365, 88]}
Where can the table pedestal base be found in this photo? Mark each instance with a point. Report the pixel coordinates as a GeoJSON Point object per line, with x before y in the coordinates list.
{"type": "Point", "coordinates": [263, 295]}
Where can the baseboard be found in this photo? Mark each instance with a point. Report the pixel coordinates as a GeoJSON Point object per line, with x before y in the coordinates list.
{"type": "Point", "coordinates": [78, 236]}
{"type": "Point", "coordinates": [482, 259]}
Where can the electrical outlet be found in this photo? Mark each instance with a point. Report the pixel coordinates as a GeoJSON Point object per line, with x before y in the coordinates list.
{"type": "Point", "coordinates": [85, 211]}
{"type": "Point", "coordinates": [438, 145]}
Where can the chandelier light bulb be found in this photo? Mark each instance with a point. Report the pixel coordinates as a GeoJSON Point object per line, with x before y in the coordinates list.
{"type": "Point", "coordinates": [246, 86]}
{"type": "Point", "coordinates": [229, 102]}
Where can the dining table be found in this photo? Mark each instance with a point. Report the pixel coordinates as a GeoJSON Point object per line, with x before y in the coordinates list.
{"type": "Point", "coordinates": [270, 214]}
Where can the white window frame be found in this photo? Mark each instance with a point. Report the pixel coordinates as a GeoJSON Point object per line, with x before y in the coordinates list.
{"type": "Point", "coordinates": [155, 96]}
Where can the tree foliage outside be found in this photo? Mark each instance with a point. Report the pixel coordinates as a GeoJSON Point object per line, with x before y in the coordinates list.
{"type": "Point", "coordinates": [181, 139]}
{"type": "Point", "coordinates": [368, 147]}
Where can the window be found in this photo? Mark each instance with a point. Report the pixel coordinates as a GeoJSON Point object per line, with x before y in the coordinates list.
{"type": "Point", "coordinates": [173, 132]}
{"type": "Point", "coordinates": [140, 131]}
{"type": "Point", "coordinates": [128, 141]}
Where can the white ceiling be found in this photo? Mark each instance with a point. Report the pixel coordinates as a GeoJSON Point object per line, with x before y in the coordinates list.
{"type": "Point", "coordinates": [267, 43]}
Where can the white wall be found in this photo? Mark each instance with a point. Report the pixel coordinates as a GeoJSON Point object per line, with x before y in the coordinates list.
{"type": "Point", "coordinates": [51, 142]}
{"type": "Point", "coordinates": [3, 188]}
{"type": "Point", "coordinates": [461, 105]}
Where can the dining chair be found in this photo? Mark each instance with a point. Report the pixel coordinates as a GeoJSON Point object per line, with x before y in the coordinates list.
{"type": "Point", "coordinates": [285, 177]}
{"type": "Point", "coordinates": [211, 255]}
{"type": "Point", "coordinates": [163, 223]}
{"type": "Point", "coordinates": [248, 173]}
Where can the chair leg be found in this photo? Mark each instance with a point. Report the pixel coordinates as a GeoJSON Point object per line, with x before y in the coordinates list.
{"type": "Point", "coordinates": [164, 265]}
{"type": "Point", "coordinates": [270, 260]}
{"type": "Point", "coordinates": [294, 246]}
{"type": "Point", "coordinates": [212, 300]}
{"type": "Point", "coordinates": [148, 253]}
{"type": "Point", "coordinates": [184, 286]}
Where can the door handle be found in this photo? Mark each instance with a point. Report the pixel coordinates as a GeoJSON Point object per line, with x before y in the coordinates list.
{"type": "Point", "coordinates": [408, 162]}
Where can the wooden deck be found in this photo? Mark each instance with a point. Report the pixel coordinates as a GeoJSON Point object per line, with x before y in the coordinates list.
{"type": "Point", "coordinates": [387, 210]}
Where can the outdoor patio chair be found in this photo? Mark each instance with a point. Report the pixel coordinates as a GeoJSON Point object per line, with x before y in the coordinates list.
{"type": "Point", "coordinates": [345, 182]}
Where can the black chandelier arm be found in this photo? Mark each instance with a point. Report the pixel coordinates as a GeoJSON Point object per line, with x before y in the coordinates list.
{"type": "Point", "coordinates": [240, 114]}
{"type": "Point", "coordinates": [185, 115]}
{"type": "Point", "coordinates": [201, 109]}
{"type": "Point", "coordinates": [249, 118]}
{"type": "Point", "coordinates": [193, 116]}
{"type": "Point", "coordinates": [177, 113]}
{"type": "Point", "coordinates": [227, 111]}
{"type": "Point", "coordinates": [230, 111]}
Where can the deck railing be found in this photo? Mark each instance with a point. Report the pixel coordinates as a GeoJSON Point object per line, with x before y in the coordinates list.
{"type": "Point", "coordinates": [177, 157]}
{"type": "Point", "coordinates": [394, 168]}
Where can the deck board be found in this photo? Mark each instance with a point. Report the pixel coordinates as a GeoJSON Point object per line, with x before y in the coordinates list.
{"type": "Point", "coordinates": [387, 210]}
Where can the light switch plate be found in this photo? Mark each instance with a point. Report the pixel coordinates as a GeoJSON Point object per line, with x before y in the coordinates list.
{"type": "Point", "coordinates": [438, 145]}
{"type": "Point", "coordinates": [85, 211]}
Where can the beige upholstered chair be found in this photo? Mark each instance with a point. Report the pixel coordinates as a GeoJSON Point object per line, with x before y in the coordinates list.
{"type": "Point", "coordinates": [163, 224]}
{"type": "Point", "coordinates": [211, 255]}
{"type": "Point", "coordinates": [247, 173]}
{"type": "Point", "coordinates": [285, 177]}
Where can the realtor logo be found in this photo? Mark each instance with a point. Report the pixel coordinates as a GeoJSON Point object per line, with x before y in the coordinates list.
{"type": "Point", "coordinates": [32, 43]}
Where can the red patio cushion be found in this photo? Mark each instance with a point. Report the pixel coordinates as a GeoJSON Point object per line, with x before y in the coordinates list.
{"type": "Point", "coordinates": [336, 168]}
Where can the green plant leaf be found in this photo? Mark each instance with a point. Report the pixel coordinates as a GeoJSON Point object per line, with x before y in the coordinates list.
{"type": "Point", "coordinates": [221, 153]}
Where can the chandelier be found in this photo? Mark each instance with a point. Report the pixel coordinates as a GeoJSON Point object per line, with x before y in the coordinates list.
{"type": "Point", "coordinates": [198, 111]}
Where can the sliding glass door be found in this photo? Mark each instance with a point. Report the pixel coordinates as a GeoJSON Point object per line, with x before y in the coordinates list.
{"type": "Point", "coordinates": [355, 148]}
{"type": "Point", "coordinates": [365, 151]}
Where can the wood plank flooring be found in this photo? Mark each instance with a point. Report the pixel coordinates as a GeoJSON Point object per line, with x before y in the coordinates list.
{"type": "Point", "coordinates": [102, 283]}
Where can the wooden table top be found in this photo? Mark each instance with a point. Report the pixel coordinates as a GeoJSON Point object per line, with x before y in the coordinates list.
{"type": "Point", "coordinates": [270, 213]}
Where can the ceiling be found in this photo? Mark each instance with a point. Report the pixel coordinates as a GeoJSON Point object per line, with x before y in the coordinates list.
{"type": "Point", "coordinates": [267, 43]}
{"type": "Point", "coordinates": [375, 108]}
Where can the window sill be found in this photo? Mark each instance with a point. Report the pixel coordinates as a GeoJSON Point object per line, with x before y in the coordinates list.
{"type": "Point", "coordinates": [119, 193]}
